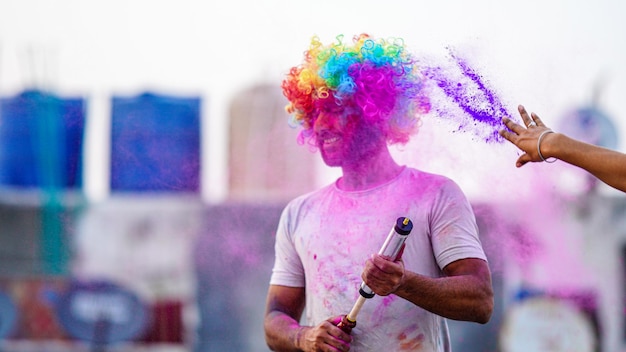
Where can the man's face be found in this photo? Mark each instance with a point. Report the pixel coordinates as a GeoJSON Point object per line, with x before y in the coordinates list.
{"type": "Point", "coordinates": [342, 136]}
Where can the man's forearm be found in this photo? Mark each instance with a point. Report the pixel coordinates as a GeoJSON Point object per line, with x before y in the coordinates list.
{"type": "Point", "coordinates": [458, 297]}
{"type": "Point", "coordinates": [282, 333]}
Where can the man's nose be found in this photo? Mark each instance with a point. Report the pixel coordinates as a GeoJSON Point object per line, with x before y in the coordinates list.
{"type": "Point", "coordinates": [322, 122]}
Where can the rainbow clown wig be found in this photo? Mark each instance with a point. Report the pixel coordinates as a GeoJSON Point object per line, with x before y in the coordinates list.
{"type": "Point", "coordinates": [376, 78]}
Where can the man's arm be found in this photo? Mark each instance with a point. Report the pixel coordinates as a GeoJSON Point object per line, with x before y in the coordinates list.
{"type": "Point", "coordinates": [465, 293]}
{"type": "Point", "coordinates": [283, 310]}
{"type": "Point", "coordinates": [284, 333]}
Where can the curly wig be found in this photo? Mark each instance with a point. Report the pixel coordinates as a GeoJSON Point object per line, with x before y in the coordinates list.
{"type": "Point", "coordinates": [377, 78]}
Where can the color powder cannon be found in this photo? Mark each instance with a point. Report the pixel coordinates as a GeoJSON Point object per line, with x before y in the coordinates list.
{"type": "Point", "coordinates": [390, 249]}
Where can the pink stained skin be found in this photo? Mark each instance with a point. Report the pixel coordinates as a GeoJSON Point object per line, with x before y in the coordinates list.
{"type": "Point", "coordinates": [345, 140]}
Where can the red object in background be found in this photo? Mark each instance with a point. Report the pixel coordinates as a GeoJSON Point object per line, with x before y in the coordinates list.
{"type": "Point", "coordinates": [166, 323]}
{"type": "Point", "coordinates": [34, 298]}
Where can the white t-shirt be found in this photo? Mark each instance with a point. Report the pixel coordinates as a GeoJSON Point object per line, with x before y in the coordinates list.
{"type": "Point", "coordinates": [325, 237]}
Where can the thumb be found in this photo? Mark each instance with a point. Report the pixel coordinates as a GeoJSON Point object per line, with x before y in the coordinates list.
{"type": "Point", "coordinates": [335, 320]}
{"type": "Point", "coordinates": [522, 160]}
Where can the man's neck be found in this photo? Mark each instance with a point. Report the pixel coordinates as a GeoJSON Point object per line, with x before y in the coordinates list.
{"type": "Point", "coordinates": [369, 173]}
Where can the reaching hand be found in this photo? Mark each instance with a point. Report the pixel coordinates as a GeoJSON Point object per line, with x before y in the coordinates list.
{"type": "Point", "coordinates": [382, 275]}
{"type": "Point", "coordinates": [324, 337]}
{"type": "Point", "coordinates": [527, 138]}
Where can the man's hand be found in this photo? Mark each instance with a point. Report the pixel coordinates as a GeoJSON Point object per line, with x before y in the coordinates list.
{"type": "Point", "coordinates": [382, 275]}
{"type": "Point", "coordinates": [323, 337]}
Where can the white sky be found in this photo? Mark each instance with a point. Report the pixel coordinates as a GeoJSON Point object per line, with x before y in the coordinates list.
{"type": "Point", "coordinates": [545, 54]}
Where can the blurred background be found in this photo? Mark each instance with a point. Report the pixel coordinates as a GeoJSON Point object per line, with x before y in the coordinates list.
{"type": "Point", "coordinates": [145, 158]}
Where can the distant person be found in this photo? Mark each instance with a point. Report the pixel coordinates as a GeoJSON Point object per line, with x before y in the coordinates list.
{"type": "Point", "coordinates": [352, 100]}
{"type": "Point", "coordinates": [540, 143]}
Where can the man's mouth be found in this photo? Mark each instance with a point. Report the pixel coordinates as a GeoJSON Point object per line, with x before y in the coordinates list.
{"type": "Point", "coordinates": [330, 140]}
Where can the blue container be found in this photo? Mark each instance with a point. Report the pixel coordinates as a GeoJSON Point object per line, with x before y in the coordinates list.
{"type": "Point", "coordinates": [41, 140]}
{"type": "Point", "coordinates": [155, 144]}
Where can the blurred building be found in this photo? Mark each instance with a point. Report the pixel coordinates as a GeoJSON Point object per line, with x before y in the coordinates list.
{"type": "Point", "coordinates": [187, 275]}
{"type": "Point", "coordinates": [265, 160]}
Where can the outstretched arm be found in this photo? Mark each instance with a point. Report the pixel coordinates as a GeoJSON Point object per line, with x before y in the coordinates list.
{"type": "Point", "coordinates": [607, 165]}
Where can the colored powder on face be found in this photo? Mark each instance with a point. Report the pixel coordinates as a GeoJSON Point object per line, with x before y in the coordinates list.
{"type": "Point", "coordinates": [464, 89]}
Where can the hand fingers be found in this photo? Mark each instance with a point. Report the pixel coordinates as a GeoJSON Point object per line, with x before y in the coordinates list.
{"type": "Point", "coordinates": [328, 337]}
{"type": "Point", "coordinates": [525, 117]}
{"type": "Point", "coordinates": [508, 135]}
{"type": "Point", "coordinates": [338, 338]}
{"type": "Point", "coordinates": [383, 264]}
{"type": "Point", "coordinates": [335, 320]}
{"type": "Point", "coordinates": [512, 126]}
{"type": "Point", "coordinates": [537, 119]}
{"type": "Point", "coordinates": [529, 121]}
{"type": "Point", "coordinates": [341, 336]}
{"type": "Point", "coordinates": [383, 276]}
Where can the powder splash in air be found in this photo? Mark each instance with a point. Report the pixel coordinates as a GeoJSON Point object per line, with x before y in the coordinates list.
{"type": "Point", "coordinates": [467, 99]}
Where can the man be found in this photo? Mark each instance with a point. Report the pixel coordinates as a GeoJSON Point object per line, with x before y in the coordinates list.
{"type": "Point", "coordinates": [352, 101]}
{"type": "Point", "coordinates": [540, 143]}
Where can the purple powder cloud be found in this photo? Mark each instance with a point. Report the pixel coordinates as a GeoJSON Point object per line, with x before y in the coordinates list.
{"type": "Point", "coordinates": [468, 100]}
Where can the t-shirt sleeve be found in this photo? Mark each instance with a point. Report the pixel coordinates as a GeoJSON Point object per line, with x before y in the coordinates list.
{"type": "Point", "coordinates": [288, 269]}
{"type": "Point", "coordinates": [454, 232]}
